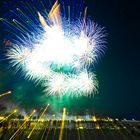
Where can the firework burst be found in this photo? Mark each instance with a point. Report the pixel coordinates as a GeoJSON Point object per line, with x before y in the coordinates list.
{"type": "Point", "coordinates": [59, 55]}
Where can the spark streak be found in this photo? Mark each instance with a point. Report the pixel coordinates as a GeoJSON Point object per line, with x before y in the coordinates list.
{"type": "Point", "coordinates": [63, 124]}
{"type": "Point", "coordinates": [27, 119]}
{"type": "Point", "coordinates": [8, 116]}
{"type": "Point", "coordinates": [38, 121]}
{"type": "Point", "coordinates": [6, 93]}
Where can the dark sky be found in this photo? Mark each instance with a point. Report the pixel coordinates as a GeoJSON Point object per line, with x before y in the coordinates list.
{"type": "Point", "coordinates": [118, 71]}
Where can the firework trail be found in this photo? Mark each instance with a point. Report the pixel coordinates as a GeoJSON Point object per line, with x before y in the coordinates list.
{"type": "Point", "coordinates": [54, 51]}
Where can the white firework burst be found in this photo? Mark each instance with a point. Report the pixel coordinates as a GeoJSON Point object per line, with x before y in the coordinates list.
{"type": "Point", "coordinates": [76, 45]}
{"type": "Point", "coordinates": [18, 56]}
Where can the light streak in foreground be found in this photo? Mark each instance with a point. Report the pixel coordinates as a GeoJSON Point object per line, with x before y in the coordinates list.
{"type": "Point", "coordinates": [26, 120]}
{"type": "Point", "coordinates": [5, 118]}
{"type": "Point", "coordinates": [63, 124]}
{"type": "Point", "coordinates": [38, 121]}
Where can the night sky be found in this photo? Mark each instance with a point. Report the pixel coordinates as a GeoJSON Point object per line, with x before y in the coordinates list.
{"type": "Point", "coordinates": [118, 70]}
